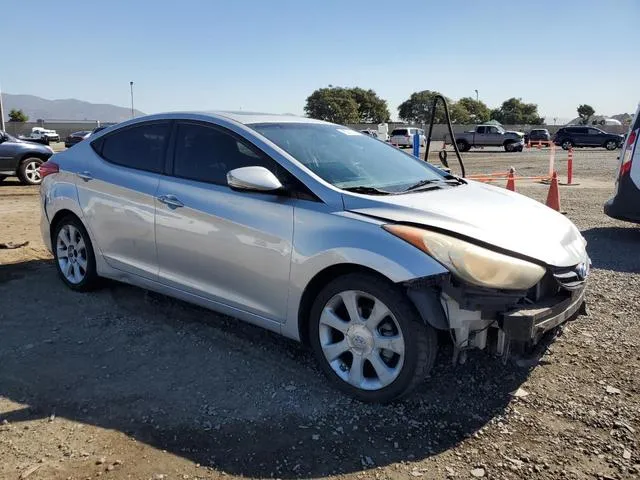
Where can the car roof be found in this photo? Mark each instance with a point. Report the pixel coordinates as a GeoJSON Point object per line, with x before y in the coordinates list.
{"type": "Point", "coordinates": [246, 118]}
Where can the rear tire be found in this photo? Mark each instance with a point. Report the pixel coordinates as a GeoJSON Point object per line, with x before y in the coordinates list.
{"type": "Point", "coordinates": [376, 359]}
{"type": "Point", "coordinates": [74, 256]}
{"type": "Point", "coordinates": [463, 146]}
{"type": "Point", "coordinates": [28, 172]}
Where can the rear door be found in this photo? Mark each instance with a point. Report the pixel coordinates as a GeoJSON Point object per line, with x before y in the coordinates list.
{"type": "Point", "coordinates": [230, 247]}
{"type": "Point", "coordinates": [116, 188]}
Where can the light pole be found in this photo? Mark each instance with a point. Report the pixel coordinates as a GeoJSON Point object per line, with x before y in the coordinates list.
{"type": "Point", "coordinates": [131, 86]}
{"type": "Point", "coordinates": [1, 112]}
{"type": "Point", "coordinates": [476, 95]}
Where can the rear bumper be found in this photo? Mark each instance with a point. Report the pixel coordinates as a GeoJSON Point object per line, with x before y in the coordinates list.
{"type": "Point", "coordinates": [625, 205]}
{"type": "Point", "coordinates": [530, 323]}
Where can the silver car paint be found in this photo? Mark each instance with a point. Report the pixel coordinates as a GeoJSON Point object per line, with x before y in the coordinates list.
{"type": "Point", "coordinates": [227, 246]}
{"type": "Point", "coordinates": [488, 214]}
{"type": "Point", "coordinates": [118, 204]}
{"type": "Point", "coordinates": [324, 234]}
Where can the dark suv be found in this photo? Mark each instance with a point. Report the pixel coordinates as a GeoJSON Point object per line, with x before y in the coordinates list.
{"type": "Point", "coordinates": [569, 137]}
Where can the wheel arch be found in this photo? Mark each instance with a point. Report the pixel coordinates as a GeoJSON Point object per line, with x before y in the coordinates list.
{"type": "Point", "coordinates": [317, 283]}
{"type": "Point", "coordinates": [59, 215]}
{"type": "Point", "coordinates": [40, 156]}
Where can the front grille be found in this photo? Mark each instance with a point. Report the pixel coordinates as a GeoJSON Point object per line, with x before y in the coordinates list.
{"type": "Point", "coordinates": [572, 278]}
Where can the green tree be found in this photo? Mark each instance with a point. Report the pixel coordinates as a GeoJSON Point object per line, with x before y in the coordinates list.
{"type": "Point", "coordinates": [477, 110]}
{"type": "Point", "coordinates": [458, 113]}
{"type": "Point", "coordinates": [346, 105]}
{"type": "Point", "coordinates": [17, 116]}
{"type": "Point", "coordinates": [515, 112]}
{"type": "Point", "coordinates": [371, 108]}
{"type": "Point", "coordinates": [417, 108]}
{"type": "Point", "coordinates": [586, 112]}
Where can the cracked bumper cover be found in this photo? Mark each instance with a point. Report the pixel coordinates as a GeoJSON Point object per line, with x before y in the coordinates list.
{"type": "Point", "coordinates": [531, 322]}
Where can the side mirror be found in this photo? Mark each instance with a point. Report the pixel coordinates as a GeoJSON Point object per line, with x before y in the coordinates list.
{"type": "Point", "coordinates": [253, 179]}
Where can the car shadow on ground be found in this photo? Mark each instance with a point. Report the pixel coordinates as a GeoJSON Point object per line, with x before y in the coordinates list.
{"type": "Point", "coordinates": [216, 391]}
{"type": "Point", "coordinates": [625, 241]}
{"type": "Point", "coordinates": [10, 182]}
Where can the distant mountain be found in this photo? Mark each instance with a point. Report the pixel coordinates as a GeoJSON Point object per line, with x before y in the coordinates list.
{"type": "Point", "coordinates": [68, 109]}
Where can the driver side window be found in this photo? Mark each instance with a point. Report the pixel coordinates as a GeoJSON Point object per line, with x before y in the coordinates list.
{"type": "Point", "coordinates": [206, 154]}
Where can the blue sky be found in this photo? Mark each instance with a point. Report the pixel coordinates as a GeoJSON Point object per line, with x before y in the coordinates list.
{"type": "Point", "coordinates": [269, 55]}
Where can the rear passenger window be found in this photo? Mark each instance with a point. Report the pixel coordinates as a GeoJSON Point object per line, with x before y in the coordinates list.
{"type": "Point", "coordinates": [140, 147]}
{"type": "Point", "coordinates": [207, 154]}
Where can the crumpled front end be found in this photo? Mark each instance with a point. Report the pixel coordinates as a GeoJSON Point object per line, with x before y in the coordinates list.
{"type": "Point", "coordinates": [498, 320]}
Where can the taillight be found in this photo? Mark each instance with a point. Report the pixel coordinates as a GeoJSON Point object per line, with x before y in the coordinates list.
{"type": "Point", "coordinates": [47, 168]}
{"type": "Point", "coordinates": [627, 158]}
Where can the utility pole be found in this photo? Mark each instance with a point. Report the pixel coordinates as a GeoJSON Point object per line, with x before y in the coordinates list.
{"type": "Point", "coordinates": [1, 112]}
{"type": "Point", "coordinates": [476, 95]}
{"type": "Point", "coordinates": [131, 86]}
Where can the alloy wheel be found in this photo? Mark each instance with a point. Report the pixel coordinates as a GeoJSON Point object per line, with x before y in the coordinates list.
{"type": "Point", "coordinates": [361, 340]}
{"type": "Point", "coordinates": [72, 254]}
{"type": "Point", "coordinates": [32, 172]}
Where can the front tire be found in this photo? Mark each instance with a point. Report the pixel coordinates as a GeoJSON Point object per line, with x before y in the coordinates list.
{"type": "Point", "coordinates": [369, 339]}
{"type": "Point", "coordinates": [567, 144]}
{"type": "Point", "coordinates": [74, 256]}
{"type": "Point", "coordinates": [611, 145]}
{"type": "Point", "coordinates": [28, 171]}
{"type": "Point", "coordinates": [509, 147]}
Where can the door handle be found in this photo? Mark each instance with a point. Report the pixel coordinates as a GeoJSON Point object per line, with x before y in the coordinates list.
{"type": "Point", "coordinates": [86, 176]}
{"type": "Point", "coordinates": [171, 201]}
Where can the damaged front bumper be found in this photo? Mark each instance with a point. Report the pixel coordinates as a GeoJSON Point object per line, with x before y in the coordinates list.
{"type": "Point", "coordinates": [529, 323]}
{"type": "Point", "coordinates": [485, 318]}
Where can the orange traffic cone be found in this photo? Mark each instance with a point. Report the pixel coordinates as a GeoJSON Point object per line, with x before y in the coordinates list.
{"type": "Point", "coordinates": [539, 144]}
{"type": "Point", "coordinates": [511, 180]}
{"type": "Point", "coordinates": [553, 197]}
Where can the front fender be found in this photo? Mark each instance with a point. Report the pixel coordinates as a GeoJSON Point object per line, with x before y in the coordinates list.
{"type": "Point", "coordinates": [323, 240]}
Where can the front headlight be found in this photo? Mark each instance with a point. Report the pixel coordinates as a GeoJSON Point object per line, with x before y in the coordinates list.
{"type": "Point", "coordinates": [471, 263]}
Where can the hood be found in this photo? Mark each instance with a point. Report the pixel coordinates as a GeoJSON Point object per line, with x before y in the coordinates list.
{"type": "Point", "coordinates": [33, 146]}
{"type": "Point", "coordinates": [514, 132]}
{"type": "Point", "coordinates": [491, 215]}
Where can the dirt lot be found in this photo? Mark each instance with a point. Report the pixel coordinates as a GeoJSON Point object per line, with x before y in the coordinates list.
{"type": "Point", "coordinates": [122, 383]}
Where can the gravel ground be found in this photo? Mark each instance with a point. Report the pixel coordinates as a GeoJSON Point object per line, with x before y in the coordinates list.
{"type": "Point", "coordinates": [123, 383]}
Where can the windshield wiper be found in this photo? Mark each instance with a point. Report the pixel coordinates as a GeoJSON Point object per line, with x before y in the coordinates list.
{"type": "Point", "coordinates": [420, 184]}
{"type": "Point", "coordinates": [367, 190]}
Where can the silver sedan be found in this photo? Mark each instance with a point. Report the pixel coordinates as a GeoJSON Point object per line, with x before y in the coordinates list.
{"type": "Point", "coordinates": [315, 231]}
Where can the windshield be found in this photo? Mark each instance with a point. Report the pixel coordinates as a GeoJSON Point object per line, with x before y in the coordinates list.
{"type": "Point", "coordinates": [345, 158]}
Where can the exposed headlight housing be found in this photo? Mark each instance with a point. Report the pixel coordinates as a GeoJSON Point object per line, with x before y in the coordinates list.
{"type": "Point", "coordinates": [471, 263]}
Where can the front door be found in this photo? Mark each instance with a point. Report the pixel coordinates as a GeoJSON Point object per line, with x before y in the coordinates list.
{"type": "Point", "coordinates": [229, 247]}
{"type": "Point", "coordinates": [7, 162]}
{"type": "Point", "coordinates": [117, 184]}
{"type": "Point", "coordinates": [596, 137]}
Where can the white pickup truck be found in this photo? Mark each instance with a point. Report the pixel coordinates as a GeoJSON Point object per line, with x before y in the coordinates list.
{"type": "Point", "coordinates": [490, 136]}
{"type": "Point", "coordinates": [42, 135]}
